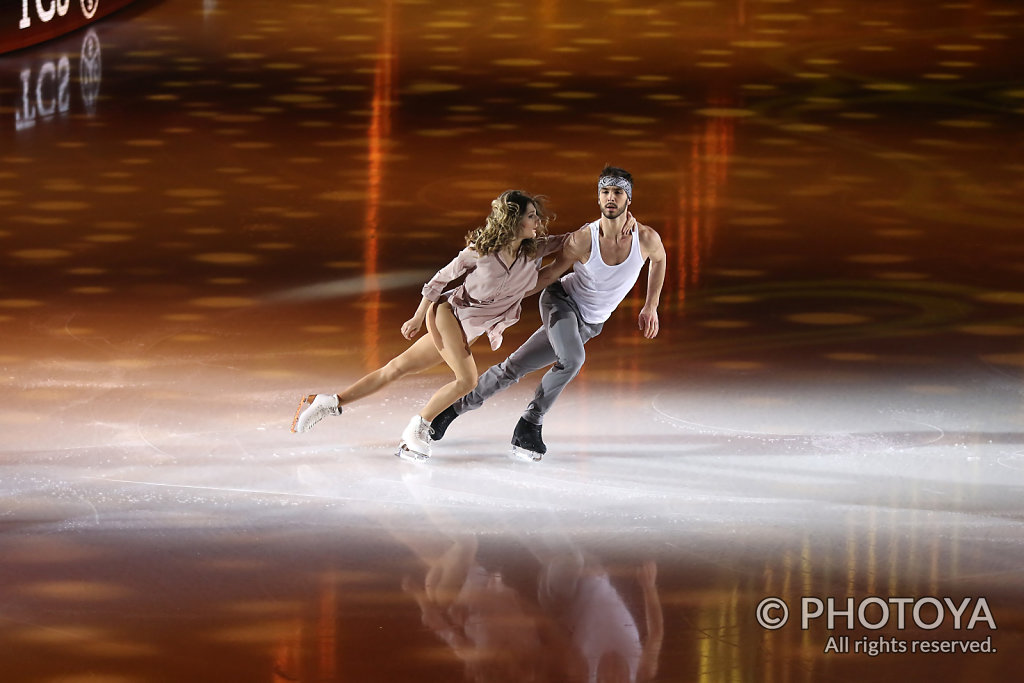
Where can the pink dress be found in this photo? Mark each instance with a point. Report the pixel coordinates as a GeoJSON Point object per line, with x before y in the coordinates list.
{"type": "Point", "coordinates": [486, 295]}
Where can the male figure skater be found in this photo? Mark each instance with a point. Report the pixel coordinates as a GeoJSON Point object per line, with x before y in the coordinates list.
{"type": "Point", "coordinates": [607, 257]}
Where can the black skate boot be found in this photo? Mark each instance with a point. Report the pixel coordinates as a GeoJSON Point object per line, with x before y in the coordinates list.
{"type": "Point", "coordinates": [527, 443]}
{"type": "Point", "coordinates": [440, 423]}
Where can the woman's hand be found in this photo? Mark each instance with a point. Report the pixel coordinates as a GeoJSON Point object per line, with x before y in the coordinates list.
{"type": "Point", "coordinates": [411, 327]}
{"type": "Point", "coordinates": [629, 226]}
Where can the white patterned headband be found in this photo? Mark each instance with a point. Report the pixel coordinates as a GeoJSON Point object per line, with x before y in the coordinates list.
{"type": "Point", "coordinates": [610, 180]}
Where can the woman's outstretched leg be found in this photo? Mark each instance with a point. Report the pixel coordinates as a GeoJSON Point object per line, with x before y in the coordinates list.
{"type": "Point", "coordinates": [418, 357]}
{"type": "Point", "coordinates": [315, 407]}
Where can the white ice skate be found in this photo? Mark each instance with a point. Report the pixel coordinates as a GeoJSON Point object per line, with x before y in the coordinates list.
{"type": "Point", "coordinates": [527, 444]}
{"type": "Point", "coordinates": [415, 445]}
{"type": "Point", "coordinates": [312, 409]}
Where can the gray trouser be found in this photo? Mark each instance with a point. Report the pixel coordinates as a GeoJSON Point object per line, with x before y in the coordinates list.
{"type": "Point", "coordinates": [559, 341]}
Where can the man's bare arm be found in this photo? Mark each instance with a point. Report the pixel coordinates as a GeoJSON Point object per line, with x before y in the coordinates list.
{"type": "Point", "coordinates": [650, 242]}
{"type": "Point", "coordinates": [565, 258]}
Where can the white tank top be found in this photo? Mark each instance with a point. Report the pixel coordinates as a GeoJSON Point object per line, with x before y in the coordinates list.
{"type": "Point", "coordinates": [598, 288]}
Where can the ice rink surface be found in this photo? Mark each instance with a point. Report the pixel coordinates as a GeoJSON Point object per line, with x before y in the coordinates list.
{"type": "Point", "coordinates": [214, 208]}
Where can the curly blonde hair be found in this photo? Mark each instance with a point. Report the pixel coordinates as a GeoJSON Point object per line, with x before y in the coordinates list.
{"type": "Point", "coordinates": [503, 224]}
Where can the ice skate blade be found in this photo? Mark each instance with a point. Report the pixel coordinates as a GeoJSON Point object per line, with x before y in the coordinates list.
{"type": "Point", "coordinates": [523, 455]}
{"type": "Point", "coordinates": [409, 455]}
{"type": "Point", "coordinates": [303, 402]}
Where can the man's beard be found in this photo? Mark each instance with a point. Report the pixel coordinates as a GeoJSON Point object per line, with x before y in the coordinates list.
{"type": "Point", "coordinates": [618, 212]}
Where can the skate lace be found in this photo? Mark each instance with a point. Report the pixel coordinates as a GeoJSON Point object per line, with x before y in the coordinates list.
{"type": "Point", "coordinates": [424, 431]}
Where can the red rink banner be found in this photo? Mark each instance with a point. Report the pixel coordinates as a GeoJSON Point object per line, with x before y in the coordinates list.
{"type": "Point", "coordinates": [27, 22]}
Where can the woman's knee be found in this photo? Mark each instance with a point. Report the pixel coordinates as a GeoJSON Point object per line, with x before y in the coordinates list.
{"type": "Point", "coordinates": [464, 385]}
{"type": "Point", "coordinates": [393, 370]}
{"type": "Point", "coordinates": [399, 367]}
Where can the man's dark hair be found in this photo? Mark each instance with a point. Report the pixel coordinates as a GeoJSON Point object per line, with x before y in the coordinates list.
{"type": "Point", "coordinates": [616, 172]}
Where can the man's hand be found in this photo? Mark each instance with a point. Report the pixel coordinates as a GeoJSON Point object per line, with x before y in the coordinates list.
{"type": "Point", "coordinates": [648, 322]}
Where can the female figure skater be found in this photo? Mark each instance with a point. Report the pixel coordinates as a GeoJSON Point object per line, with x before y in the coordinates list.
{"type": "Point", "coordinates": [479, 292]}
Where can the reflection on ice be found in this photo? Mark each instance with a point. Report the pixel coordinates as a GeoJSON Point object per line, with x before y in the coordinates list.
{"type": "Point", "coordinates": [569, 622]}
{"type": "Point", "coordinates": [639, 545]}
{"type": "Point", "coordinates": [46, 87]}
